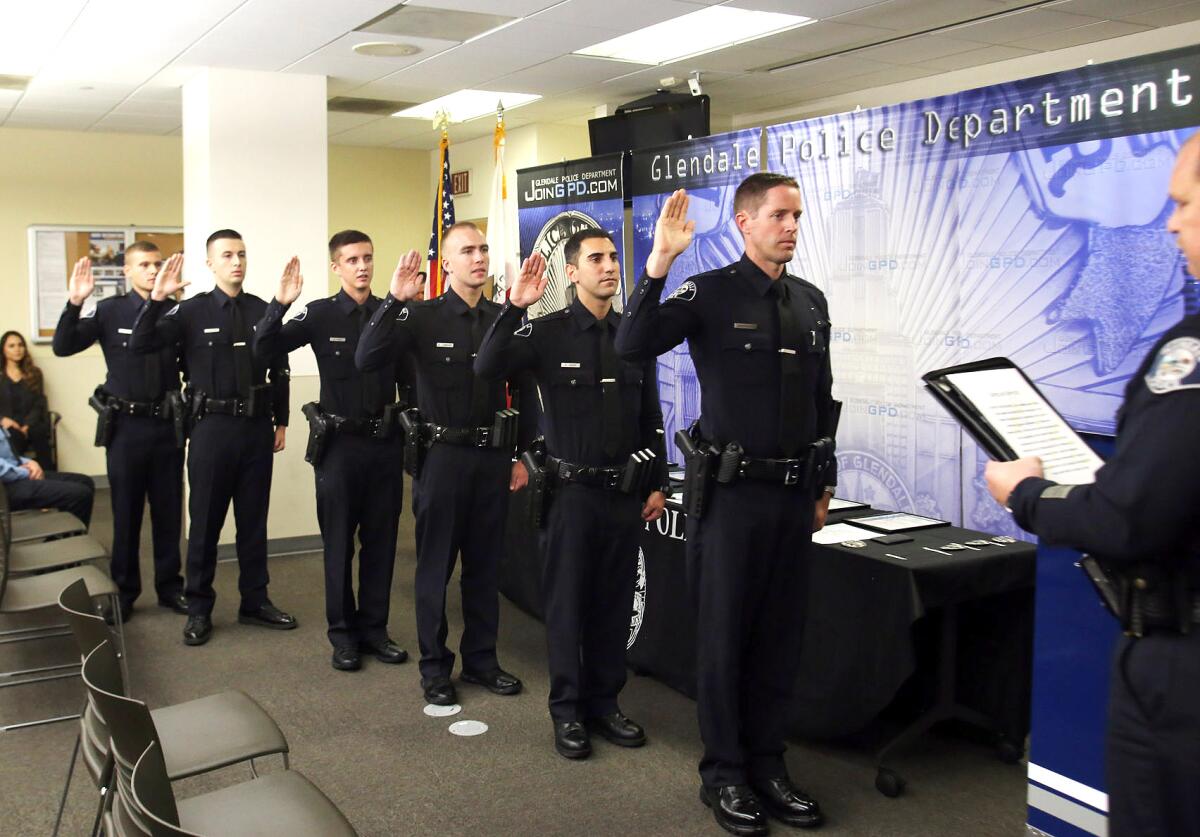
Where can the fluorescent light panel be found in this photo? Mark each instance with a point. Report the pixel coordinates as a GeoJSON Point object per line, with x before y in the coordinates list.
{"type": "Point", "coordinates": [467, 104]}
{"type": "Point", "coordinates": [707, 30]}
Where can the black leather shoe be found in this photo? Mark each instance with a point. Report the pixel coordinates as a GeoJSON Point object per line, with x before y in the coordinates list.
{"type": "Point", "coordinates": [268, 616]}
{"type": "Point", "coordinates": [175, 601]}
{"type": "Point", "coordinates": [385, 651]}
{"type": "Point", "coordinates": [497, 681]}
{"type": "Point", "coordinates": [618, 729]}
{"type": "Point", "coordinates": [787, 803]}
{"type": "Point", "coordinates": [346, 659]}
{"type": "Point", "coordinates": [126, 613]}
{"type": "Point", "coordinates": [571, 740]}
{"type": "Point", "coordinates": [736, 810]}
{"type": "Point", "coordinates": [440, 691]}
{"type": "Point", "coordinates": [197, 631]}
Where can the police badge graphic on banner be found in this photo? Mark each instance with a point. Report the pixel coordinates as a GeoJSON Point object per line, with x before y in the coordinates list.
{"type": "Point", "coordinates": [556, 201]}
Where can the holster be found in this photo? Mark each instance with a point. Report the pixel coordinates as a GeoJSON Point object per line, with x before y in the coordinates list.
{"type": "Point", "coordinates": [504, 429]}
{"type": "Point", "coordinates": [414, 442]}
{"type": "Point", "coordinates": [180, 414]}
{"type": "Point", "coordinates": [639, 472]}
{"type": "Point", "coordinates": [320, 433]}
{"type": "Point", "coordinates": [820, 454]}
{"type": "Point", "coordinates": [698, 460]}
{"type": "Point", "coordinates": [106, 416]}
{"type": "Point", "coordinates": [259, 401]}
{"type": "Point", "coordinates": [195, 401]}
{"type": "Point", "coordinates": [1145, 595]}
{"type": "Point", "coordinates": [538, 487]}
{"type": "Point", "coordinates": [390, 420]}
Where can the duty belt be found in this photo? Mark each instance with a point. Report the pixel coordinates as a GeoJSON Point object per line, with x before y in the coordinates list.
{"type": "Point", "coordinates": [595, 476]}
{"type": "Point", "coordinates": [780, 471]}
{"type": "Point", "coordinates": [378, 428]}
{"type": "Point", "coordinates": [227, 406]}
{"type": "Point", "coordinates": [478, 437]}
{"type": "Point", "coordinates": [151, 409]}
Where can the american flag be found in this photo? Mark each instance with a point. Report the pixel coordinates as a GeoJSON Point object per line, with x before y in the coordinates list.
{"type": "Point", "coordinates": [443, 217]}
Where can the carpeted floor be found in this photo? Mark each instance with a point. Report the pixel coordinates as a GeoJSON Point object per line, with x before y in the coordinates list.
{"type": "Point", "coordinates": [363, 739]}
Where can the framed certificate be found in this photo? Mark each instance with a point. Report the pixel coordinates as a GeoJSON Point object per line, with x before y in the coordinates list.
{"type": "Point", "coordinates": [838, 504]}
{"type": "Point", "coordinates": [898, 522]}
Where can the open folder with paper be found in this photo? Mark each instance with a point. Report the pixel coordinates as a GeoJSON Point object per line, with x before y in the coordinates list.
{"type": "Point", "coordinates": [1005, 413]}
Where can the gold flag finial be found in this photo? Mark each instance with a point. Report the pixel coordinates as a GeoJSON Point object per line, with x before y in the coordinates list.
{"type": "Point", "coordinates": [441, 121]}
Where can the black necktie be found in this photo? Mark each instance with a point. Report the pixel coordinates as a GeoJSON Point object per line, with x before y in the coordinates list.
{"type": "Point", "coordinates": [153, 382]}
{"type": "Point", "coordinates": [610, 388]}
{"type": "Point", "coordinates": [479, 386]}
{"type": "Point", "coordinates": [370, 380]}
{"type": "Point", "coordinates": [241, 350]}
{"type": "Point", "coordinates": [791, 377]}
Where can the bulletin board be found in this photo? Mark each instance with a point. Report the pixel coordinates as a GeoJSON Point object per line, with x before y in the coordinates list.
{"type": "Point", "coordinates": [53, 251]}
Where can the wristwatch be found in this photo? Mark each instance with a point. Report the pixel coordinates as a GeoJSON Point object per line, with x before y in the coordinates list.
{"type": "Point", "coordinates": [831, 490]}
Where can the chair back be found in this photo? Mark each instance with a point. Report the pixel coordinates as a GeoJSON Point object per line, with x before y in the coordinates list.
{"type": "Point", "coordinates": [152, 797]}
{"type": "Point", "coordinates": [129, 723]}
{"type": "Point", "coordinates": [5, 538]}
{"type": "Point", "coordinates": [88, 628]}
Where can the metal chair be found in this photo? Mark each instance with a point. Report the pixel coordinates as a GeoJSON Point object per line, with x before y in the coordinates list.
{"type": "Point", "coordinates": [36, 557]}
{"type": "Point", "coordinates": [41, 525]}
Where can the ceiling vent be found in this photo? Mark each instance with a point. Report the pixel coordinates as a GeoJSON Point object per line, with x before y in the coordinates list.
{"type": "Point", "coordinates": [374, 107]}
{"type": "Point", "coordinates": [439, 24]}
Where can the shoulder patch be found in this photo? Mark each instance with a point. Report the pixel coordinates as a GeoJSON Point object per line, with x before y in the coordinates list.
{"type": "Point", "coordinates": [300, 315]}
{"type": "Point", "coordinates": [1176, 367]}
{"type": "Point", "coordinates": [685, 292]}
{"type": "Point", "coordinates": [403, 315]}
{"type": "Point", "coordinates": [173, 311]}
{"type": "Point", "coordinates": [525, 330]}
{"type": "Point", "coordinates": [89, 314]}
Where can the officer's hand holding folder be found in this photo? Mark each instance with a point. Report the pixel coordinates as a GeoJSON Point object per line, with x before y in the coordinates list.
{"type": "Point", "coordinates": [1005, 413]}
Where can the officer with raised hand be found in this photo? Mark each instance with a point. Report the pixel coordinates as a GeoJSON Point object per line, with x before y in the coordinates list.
{"type": "Point", "coordinates": [238, 421]}
{"type": "Point", "coordinates": [465, 443]}
{"type": "Point", "coordinates": [758, 337]}
{"type": "Point", "coordinates": [354, 448]}
{"type": "Point", "coordinates": [607, 467]}
{"type": "Point", "coordinates": [138, 405]}
{"type": "Point", "coordinates": [1139, 520]}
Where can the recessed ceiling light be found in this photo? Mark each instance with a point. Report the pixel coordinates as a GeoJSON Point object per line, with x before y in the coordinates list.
{"type": "Point", "coordinates": [713, 28]}
{"type": "Point", "coordinates": [467, 104]}
{"type": "Point", "coordinates": [386, 49]}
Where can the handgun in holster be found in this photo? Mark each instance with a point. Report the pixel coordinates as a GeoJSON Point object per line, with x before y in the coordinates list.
{"type": "Point", "coordinates": [195, 400]}
{"type": "Point", "coordinates": [106, 416]}
{"type": "Point", "coordinates": [320, 433]}
{"type": "Point", "coordinates": [504, 429]}
{"type": "Point", "coordinates": [698, 461]}
{"type": "Point", "coordinates": [539, 485]}
{"type": "Point", "coordinates": [729, 463]}
{"type": "Point", "coordinates": [414, 442]}
{"type": "Point", "coordinates": [638, 473]}
{"type": "Point", "coordinates": [820, 454]}
{"type": "Point", "coordinates": [179, 412]}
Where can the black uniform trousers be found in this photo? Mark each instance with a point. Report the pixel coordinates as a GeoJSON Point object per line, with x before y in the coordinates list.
{"type": "Point", "coordinates": [360, 489]}
{"type": "Point", "coordinates": [748, 572]}
{"type": "Point", "coordinates": [591, 549]}
{"type": "Point", "coordinates": [144, 462]}
{"type": "Point", "coordinates": [62, 490]}
{"type": "Point", "coordinates": [1153, 747]}
{"type": "Point", "coordinates": [229, 459]}
{"type": "Point", "coordinates": [461, 502]}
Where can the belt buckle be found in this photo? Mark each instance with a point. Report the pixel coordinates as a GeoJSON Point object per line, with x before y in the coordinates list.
{"type": "Point", "coordinates": [239, 407]}
{"type": "Point", "coordinates": [564, 472]}
{"type": "Point", "coordinates": [483, 437]}
{"type": "Point", "coordinates": [791, 474]}
{"type": "Point", "coordinates": [612, 479]}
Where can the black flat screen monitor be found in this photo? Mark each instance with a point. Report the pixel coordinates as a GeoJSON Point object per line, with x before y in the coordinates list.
{"type": "Point", "coordinates": [651, 126]}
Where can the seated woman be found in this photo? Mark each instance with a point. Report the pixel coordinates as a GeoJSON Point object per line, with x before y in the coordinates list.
{"type": "Point", "coordinates": [23, 410]}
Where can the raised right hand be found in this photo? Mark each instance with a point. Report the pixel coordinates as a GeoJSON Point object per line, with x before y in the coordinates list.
{"type": "Point", "coordinates": [291, 283]}
{"type": "Point", "coordinates": [406, 283]}
{"type": "Point", "coordinates": [673, 231]}
{"type": "Point", "coordinates": [530, 283]}
{"type": "Point", "coordinates": [167, 283]}
{"type": "Point", "coordinates": [82, 283]}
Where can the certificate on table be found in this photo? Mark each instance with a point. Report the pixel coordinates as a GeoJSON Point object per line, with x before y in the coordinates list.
{"type": "Point", "coordinates": [838, 532]}
{"type": "Point", "coordinates": [898, 522]}
{"type": "Point", "coordinates": [1005, 413]}
{"type": "Point", "coordinates": [838, 504]}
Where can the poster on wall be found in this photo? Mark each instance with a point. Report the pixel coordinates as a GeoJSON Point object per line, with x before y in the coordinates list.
{"type": "Point", "coordinates": [710, 169]}
{"type": "Point", "coordinates": [1024, 219]}
{"type": "Point", "coordinates": [556, 201]}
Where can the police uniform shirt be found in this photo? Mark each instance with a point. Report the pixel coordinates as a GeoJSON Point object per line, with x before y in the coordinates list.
{"type": "Point", "coordinates": [332, 327]}
{"type": "Point", "coordinates": [1142, 504]}
{"type": "Point", "coordinates": [563, 350]}
{"type": "Point", "coordinates": [131, 376]}
{"type": "Point", "coordinates": [443, 336]}
{"type": "Point", "coordinates": [730, 318]}
{"type": "Point", "coordinates": [204, 327]}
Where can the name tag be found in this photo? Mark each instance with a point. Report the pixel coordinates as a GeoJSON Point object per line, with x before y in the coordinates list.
{"type": "Point", "coordinates": [240, 343]}
{"type": "Point", "coordinates": [608, 380]}
{"type": "Point", "coordinates": [787, 351]}
{"type": "Point", "coordinates": [124, 331]}
{"type": "Point", "coordinates": [746, 326]}
{"type": "Point", "coordinates": [445, 345]}
{"type": "Point", "coordinates": [211, 330]}
{"type": "Point", "coordinates": [570, 365]}
{"type": "Point", "coordinates": [337, 339]}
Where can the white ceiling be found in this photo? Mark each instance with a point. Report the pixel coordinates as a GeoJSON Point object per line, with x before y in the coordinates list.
{"type": "Point", "coordinates": [117, 65]}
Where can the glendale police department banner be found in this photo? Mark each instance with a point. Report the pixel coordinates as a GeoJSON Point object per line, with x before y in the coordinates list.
{"type": "Point", "coordinates": [710, 169]}
{"type": "Point", "coordinates": [1024, 220]}
{"type": "Point", "coordinates": [556, 201]}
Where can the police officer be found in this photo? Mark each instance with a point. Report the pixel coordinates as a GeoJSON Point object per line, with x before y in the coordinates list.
{"type": "Point", "coordinates": [144, 455]}
{"type": "Point", "coordinates": [598, 412]}
{"type": "Point", "coordinates": [233, 436]}
{"type": "Point", "coordinates": [461, 496]}
{"type": "Point", "coordinates": [758, 337]}
{"type": "Point", "coordinates": [1140, 519]}
{"type": "Point", "coordinates": [360, 485]}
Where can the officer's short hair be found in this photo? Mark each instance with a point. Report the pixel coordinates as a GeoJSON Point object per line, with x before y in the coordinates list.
{"type": "Point", "coordinates": [141, 247]}
{"type": "Point", "coordinates": [219, 234]}
{"type": "Point", "coordinates": [460, 225]}
{"type": "Point", "coordinates": [753, 190]}
{"type": "Point", "coordinates": [345, 238]}
{"type": "Point", "coordinates": [575, 243]}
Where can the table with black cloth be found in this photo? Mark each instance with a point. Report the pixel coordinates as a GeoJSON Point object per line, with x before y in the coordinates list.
{"type": "Point", "coordinates": [954, 629]}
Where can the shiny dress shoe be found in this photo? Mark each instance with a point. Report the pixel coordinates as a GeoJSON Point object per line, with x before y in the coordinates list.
{"type": "Point", "coordinates": [268, 616]}
{"type": "Point", "coordinates": [497, 681]}
{"type": "Point", "coordinates": [618, 729]}
{"type": "Point", "coordinates": [440, 691]}
{"type": "Point", "coordinates": [736, 810]}
{"type": "Point", "coordinates": [346, 659]}
{"type": "Point", "coordinates": [571, 740]}
{"type": "Point", "coordinates": [385, 651]}
{"type": "Point", "coordinates": [197, 631]}
{"type": "Point", "coordinates": [175, 601]}
{"type": "Point", "coordinates": [787, 803]}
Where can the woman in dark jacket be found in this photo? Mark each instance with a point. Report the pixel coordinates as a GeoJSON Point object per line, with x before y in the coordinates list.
{"type": "Point", "coordinates": [23, 410]}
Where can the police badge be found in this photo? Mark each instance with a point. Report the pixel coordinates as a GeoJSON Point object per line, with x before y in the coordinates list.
{"type": "Point", "coordinates": [1175, 367]}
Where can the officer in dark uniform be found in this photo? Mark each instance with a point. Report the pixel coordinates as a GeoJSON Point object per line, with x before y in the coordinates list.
{"type": "Point", "coordinates": [1140, 519]}
{"type": "Point", "coordinates": [232, 436]}
{"type": "Point", "coordinates": [598, 411]}
{"type": "Point", "coordinates": [359, 467]}
{"type": "Point", "coordinates": [461, 495]}
{"type": "Point", "coordinates": [144, 454]}
{"type": "Point", "coordinates": [758, 338]}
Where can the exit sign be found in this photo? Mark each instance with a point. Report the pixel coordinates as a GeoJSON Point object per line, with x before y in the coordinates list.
{"type": "Point", "coordinates": [460, 182]}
